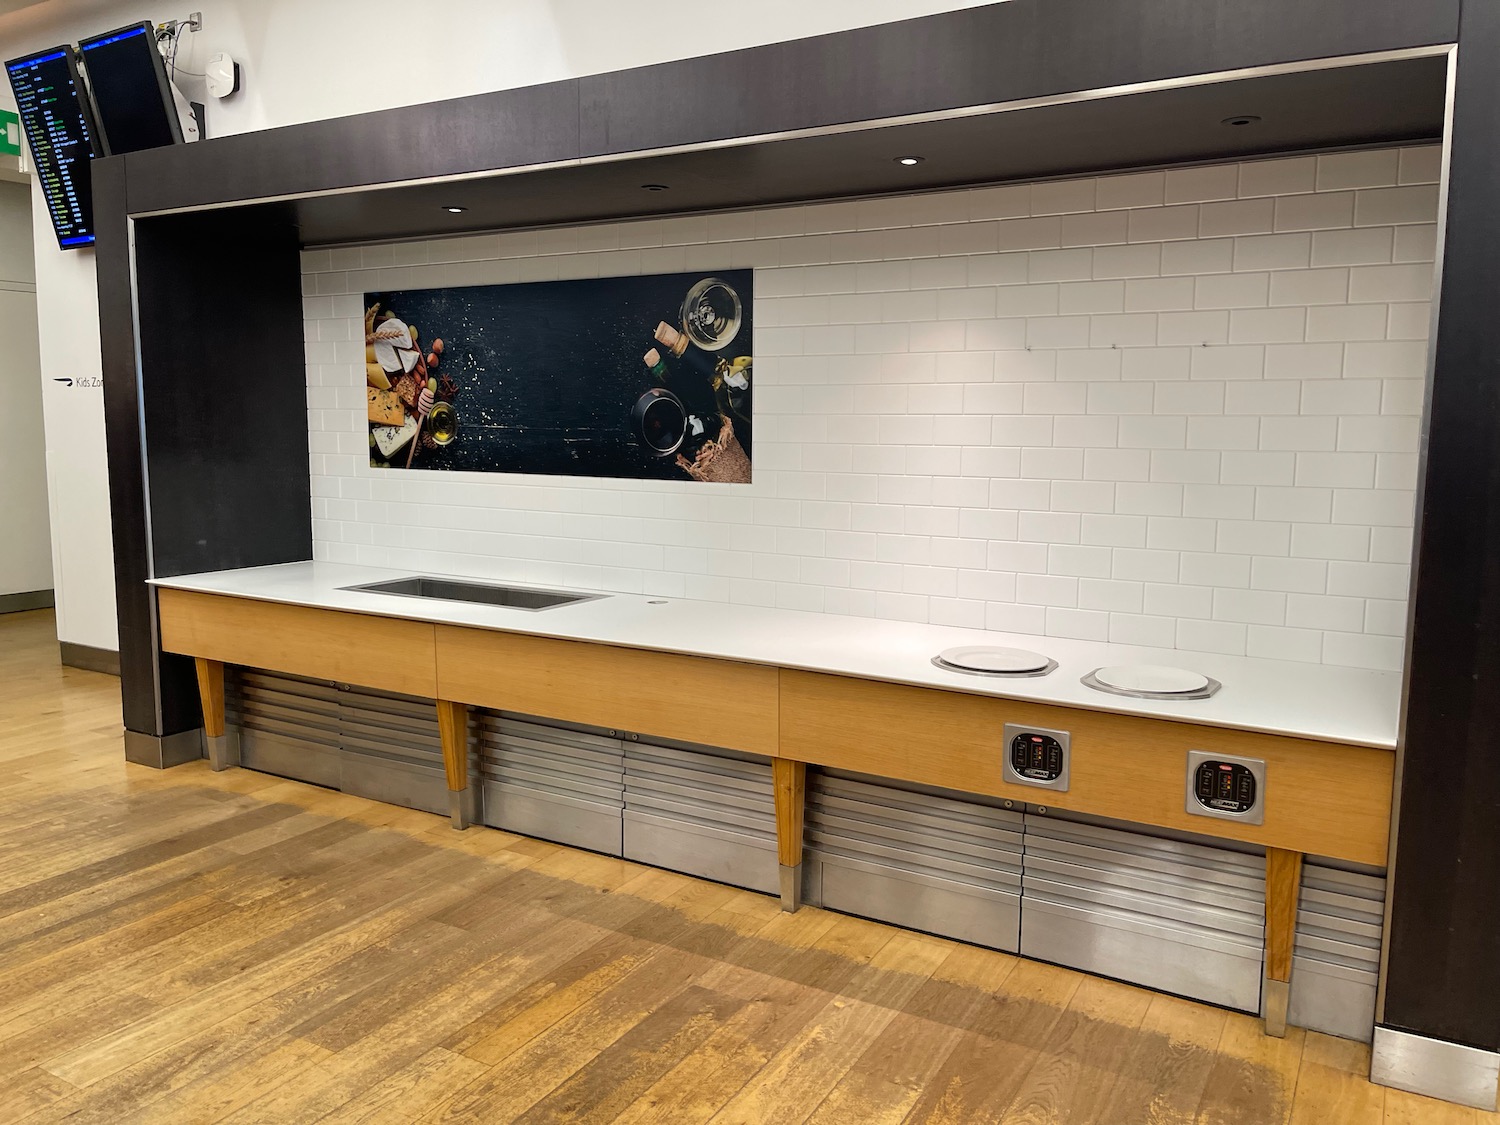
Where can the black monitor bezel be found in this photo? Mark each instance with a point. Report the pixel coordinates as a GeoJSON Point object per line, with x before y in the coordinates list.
{"type": "Point", "coordinates": [90, 121]}
{"type": "Point", "coordinates": [163, 83]}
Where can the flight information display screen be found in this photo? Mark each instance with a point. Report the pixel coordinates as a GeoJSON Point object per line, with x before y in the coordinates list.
{"type": "Point", "coordinates": [132, 99]}
{"type": "Point", "coordinates": [60, 130]}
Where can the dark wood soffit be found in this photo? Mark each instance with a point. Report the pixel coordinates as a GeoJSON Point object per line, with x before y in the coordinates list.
{"type": "Point", "coordinates": [1384, 103]}
{"type": "Point", "coordinates": [978, 56]}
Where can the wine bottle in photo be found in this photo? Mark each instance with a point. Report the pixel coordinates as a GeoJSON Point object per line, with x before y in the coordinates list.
{"type": "Point", "coordinates": [702, 423]}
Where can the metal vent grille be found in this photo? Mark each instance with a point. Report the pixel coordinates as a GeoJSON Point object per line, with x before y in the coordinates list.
{"type": "Point", "coordinates": [287, 725]}
{"type": "Point", "coordinates": [919, 857]}
{"type": "Point", "coordinates": [701, 811]}
{"type": "Point", "coordinates": [1336, 961]}
{"type": "Point", "coordinates": [552, 781]}
{"type": "Point", "coordinates": [1169, 914]}
{"type": "Point", "coordinates": [390, 750]}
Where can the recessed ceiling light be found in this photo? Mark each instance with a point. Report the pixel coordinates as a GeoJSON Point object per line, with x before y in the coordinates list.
{"type": "Point", "coordinates": [654, 187]}
{"type": "Point", "coordinates": [455, 210]}
{"type": "Point", "coordinates": [909, 160]}
{"type": "Point", "coordinates": [1241, 119]}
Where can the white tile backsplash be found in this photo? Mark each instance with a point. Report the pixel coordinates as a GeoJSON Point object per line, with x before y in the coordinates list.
{"type": "Point", "coordinates": [1170, 408]}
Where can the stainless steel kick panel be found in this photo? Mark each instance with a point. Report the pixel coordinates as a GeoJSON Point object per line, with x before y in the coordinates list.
{"type": "Point", "coordinates": [1166, 913]}
{"type": "Point", "coordinates": [695, 848]}
{"type": "Point", "coordinates": [554, 816]}
{"type": "Point", "coordinates": [293, 758]}
{"type": "Point", "coordinates": [1336, 959]}
{"type": "Point", "coordinates": [919, 901]}
{"type": "Point", "coordinates": [837, 819]}
{"type": "Point", "coordinates": [702, 811]}
{"type": "Point", "coordinates": [1206, 761]}
{"type": "Point", "coordinates": [928, 859]}
{"type": "Point", "coordinates": [1199, 860]}
{"type": "Point", "coordinates": [287, 725]}
{"type": "Point", "coordinates": [1180, 960]}
{"type": "Point", "coordinates": [390, 750]}
{"type": "Point", "coordinates": [409, 784]}
{"type": "Point", "coordinates": [553, 781]}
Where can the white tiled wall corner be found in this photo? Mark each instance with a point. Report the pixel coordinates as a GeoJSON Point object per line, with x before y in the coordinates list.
{"type": "Point", "coordinates": [1167, 408]}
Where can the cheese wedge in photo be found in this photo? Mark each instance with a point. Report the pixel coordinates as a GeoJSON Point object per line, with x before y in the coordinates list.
{"type": "Point", "coordinates": [388, 439]}
{"type": "Point", "coordinates": [385, 407]}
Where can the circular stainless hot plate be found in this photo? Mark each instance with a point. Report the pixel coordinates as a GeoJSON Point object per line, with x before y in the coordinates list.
{"type": "Point", "coordinates": [983, 660]}
{"type": "Point", "coordinates": [1152, 681]}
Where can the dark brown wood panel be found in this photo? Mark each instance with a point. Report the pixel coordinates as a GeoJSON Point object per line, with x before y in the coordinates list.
{"type": "Point", "coordinates": [1444, 945]}
{"type": "Point", "coordinates": [1385, 103]}
{"type": "Point", "coordinates": [981, 56]}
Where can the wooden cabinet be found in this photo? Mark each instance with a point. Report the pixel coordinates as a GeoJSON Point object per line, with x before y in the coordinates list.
{"type": "Point", "coordinates": [1321, 798]}
{"type": "Point", "coordinates": [354, 648]}
{"type": "Point", "coordinates": [693, 699]}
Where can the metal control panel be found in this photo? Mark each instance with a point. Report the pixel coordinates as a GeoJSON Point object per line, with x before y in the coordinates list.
{"type": "Point", "coordinates": [1225, 787]}
{"type": "Point", "coordinates": [1037, 757]}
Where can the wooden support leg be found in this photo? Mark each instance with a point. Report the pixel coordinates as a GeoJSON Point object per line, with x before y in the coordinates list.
{"type": "Point", "coordinates": [221, 755]}
{"type": "Point", "coordinates": [790, 780]}
{"type": "Point", "coordinates": [453, 727]}
{"type": "Point", "coordinates": [1283, 883]}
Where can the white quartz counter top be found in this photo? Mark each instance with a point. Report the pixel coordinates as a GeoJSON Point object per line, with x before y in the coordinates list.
{"type": "Point", "coordinates": [1277, 697]}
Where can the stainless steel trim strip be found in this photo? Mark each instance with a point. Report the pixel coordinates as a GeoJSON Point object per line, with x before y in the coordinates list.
{"type": "Point", "coordinates": [1435, 1068]}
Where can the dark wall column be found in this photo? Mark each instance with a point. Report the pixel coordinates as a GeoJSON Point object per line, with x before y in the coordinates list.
{"type": "Point", "coordinates": [142, 667]}
{"type": "Point", "coordinates": [205, 401]}
{"type": "Point", "coordinates": [1443, 974]}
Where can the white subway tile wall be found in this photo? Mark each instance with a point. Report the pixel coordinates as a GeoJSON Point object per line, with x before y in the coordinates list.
{"type": "Point", "coordinates": [1172, 408]}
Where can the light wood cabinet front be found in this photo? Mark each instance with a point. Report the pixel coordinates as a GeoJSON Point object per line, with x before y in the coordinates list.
{"type": "Point", "coordinates": [381, 652]}
{"type": "Point", "coordinates": [1321, 798]}
{"type": "Point", "coordinates": [690, 698]}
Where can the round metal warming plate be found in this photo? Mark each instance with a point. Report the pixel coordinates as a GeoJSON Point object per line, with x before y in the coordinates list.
{"type": "Point", "coordinates": [1152, 681]}
{"type": "Point", "coordinates": [982, 660]}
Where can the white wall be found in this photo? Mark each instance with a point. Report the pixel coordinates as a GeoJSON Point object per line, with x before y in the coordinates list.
{"type": "Point", "coordinates": [305, 62]}
{"type": "Point", "coordinates": [1174, 409]}
{"type": "Point", "coordinates": [25, 544]}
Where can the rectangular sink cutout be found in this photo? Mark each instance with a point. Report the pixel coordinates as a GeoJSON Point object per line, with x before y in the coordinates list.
{"type": "Point", "coordinates": [482, 593]}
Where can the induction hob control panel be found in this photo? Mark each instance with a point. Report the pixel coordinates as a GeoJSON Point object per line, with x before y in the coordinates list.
{"type": "Point", "coordinates": [1037, 757]}
{"type": "Point", "coordinates": [1226, 787]}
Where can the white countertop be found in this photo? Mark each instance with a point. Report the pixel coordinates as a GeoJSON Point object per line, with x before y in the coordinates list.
{"type": "Point", "coordinates": [1313, 701]}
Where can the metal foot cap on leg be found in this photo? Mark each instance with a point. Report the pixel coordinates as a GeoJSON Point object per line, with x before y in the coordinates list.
{"type": "Point", "coordinates": [458, 808]}
{"type": "Point", "coordinates": [223, 750]}
{"type": "Point", "coordinates": [791, 888]}
{"type": "Point", "coordinates": [1275, 996]}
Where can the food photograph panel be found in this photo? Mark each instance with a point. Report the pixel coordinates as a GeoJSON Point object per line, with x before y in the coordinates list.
{"type": "Point", "coordinates": [645, 378]}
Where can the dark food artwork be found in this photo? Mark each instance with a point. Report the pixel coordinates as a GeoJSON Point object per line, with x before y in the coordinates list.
{"type": "Point", "coordinates": [634, 377]}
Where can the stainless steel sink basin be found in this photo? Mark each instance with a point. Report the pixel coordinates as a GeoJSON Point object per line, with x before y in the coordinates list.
{"type": "Point", "coordinates": [482, 593]}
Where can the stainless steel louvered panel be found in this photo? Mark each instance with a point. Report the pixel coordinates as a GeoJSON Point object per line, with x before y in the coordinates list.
{"type": "Point", "coordinates": [701, 811]}
{"type": "Point", "coordinates": [1336, 959]}
{"type": "Point", "coordinates": [390, 750]}
{"type": "Point", "coordinates": [1166, 913]}
{"type": "Point", "coordinates": [286, 725]}
{"type": "Point", "coordinates": [928, 859]}
{"type": "Point", "coordinates": [553, 781]}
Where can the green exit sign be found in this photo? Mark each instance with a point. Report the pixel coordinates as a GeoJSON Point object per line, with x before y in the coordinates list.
{"type": "Point", "coordinates": [10, 133]}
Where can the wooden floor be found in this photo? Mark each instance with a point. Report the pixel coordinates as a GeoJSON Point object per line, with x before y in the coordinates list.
{"type": "Point", "coordinates": [184, 946]}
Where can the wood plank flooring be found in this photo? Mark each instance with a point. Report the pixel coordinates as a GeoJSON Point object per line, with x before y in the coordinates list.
{"type": "Point", "coordinates": [184, 946]}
